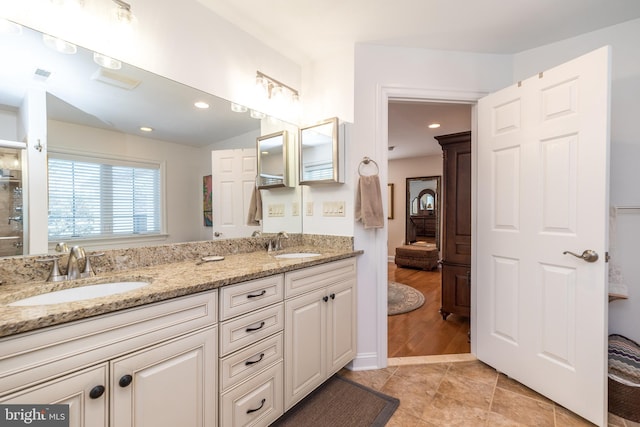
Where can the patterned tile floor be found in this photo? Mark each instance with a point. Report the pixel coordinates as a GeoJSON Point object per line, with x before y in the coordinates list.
{"type": "Point", "coordinates": [465, 393]}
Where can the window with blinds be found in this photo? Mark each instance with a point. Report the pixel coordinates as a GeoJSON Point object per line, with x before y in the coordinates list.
{"type": "Point", "coordinates": [93, 198]}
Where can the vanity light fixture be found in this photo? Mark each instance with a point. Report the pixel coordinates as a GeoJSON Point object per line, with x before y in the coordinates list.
{"type": "Point", "coordinates": [237, 108]}
{"type": "Point", "coordinates": [59, 45]}
{"type": "Point", "coordinates": [146, 129]}
{"type": "Point", "coordinates": [271, 89]}
{"type": "Point", "coordinates": [257, 114]}
{"type": "Point", "coordinates": [201, 105]}
{"type": "Point", "coordinates": [123, 12]}
{"type": "Point", "coordinates": [434, 125]}
{"type": "Point", "coordinates": [106, 61]}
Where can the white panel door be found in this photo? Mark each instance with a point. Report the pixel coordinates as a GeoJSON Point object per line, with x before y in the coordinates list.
{"type": "Point", "coordinates": [542, 189]}
{"type": "Point", "coordinates": [234, 177]}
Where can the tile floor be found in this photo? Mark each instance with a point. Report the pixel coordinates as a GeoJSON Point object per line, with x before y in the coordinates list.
{"type": "Point", "coordinates": [465, 393]}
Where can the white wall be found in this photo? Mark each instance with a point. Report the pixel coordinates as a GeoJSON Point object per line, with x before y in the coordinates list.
{"type": "Point", "coordinates": [8, 125]}
{"type": "Point", "coordinates": [381, 72]}
{"type": "Point", "coordinates": [624, 316]}
{"type": "Point", "coordinates": [399, 171]}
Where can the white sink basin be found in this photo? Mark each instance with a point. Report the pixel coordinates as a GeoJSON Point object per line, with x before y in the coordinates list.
{"type": "Point", "coordinates": [297, 255]}
{"type": "Point", "coordinates": [79, 293]}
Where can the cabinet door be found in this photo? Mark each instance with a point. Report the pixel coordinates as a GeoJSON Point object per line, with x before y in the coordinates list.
{"type": "Point", "coordinates": [341, 325]}
{"type": "Point", "coordinates": [171, 384]}
{"type": "Point", "coordinates": [305, 345]}
{"type": "Point", "coordinates": [74, 390]}
{"type": "Point", "coordinates": [456, 290]}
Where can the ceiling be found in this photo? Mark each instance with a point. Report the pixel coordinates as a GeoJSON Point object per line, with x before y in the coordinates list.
{"type": "Point", "coordinates": [312, 29]}
{"type": "Point", "coordinates": [308, 30]}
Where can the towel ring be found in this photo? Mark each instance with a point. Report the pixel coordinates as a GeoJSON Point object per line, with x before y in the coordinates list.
{"type": "Point", "coordinates": [366, 161]}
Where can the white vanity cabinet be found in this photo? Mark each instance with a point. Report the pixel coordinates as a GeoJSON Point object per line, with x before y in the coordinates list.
{"type": "Point", "coordinates": [251, 352]}
{"type": "Point", "coordinates": [88, 405]}
{"type": "Point", "coordinates": [154, 365]}
{"type": "Point", "coordinates": [320, 325]}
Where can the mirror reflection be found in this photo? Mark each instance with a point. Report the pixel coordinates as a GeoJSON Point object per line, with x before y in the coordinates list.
{"type": "Point", "coordinates": [319, 153]}
{"type": "Point", "coordinates": [129, 115]}
{"type": "Point", "coordinates": [11, 213]}
{"type": "Point", "coordinates": [273, 160]}
{"type": "Point", "coordinates": [423, 211]}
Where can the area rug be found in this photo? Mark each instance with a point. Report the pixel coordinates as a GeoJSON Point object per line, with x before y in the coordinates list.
{"type": "Point", "coordinates": [402, 299]}
{"type": "Point", "coordinates": [341, 402]}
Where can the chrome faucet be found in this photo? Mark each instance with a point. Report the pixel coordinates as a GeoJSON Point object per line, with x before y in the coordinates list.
{"type": "Point", "coordinates": [276, 243]}
{"type": "Point", "coordinates": [281, 235]}
{"type": "Point", "coordinates": [76, 253]}
{"type": "Point", "coordinates": [73, 271]}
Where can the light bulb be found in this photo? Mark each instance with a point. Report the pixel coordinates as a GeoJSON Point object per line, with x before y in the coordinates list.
{"type": "Point", "coordinates": [106, 62]}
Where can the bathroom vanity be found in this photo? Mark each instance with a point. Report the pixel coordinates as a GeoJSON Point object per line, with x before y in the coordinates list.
{"type": "Point", "coordinates": [235, 342]}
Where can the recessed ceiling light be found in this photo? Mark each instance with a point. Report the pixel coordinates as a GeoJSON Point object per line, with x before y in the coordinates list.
{"type": "Point", "coordinates": [434, 125]}
{"type": "Point", "coordinates": [146, 129]}
{"type": "Point", "coordinates": [201, 104]}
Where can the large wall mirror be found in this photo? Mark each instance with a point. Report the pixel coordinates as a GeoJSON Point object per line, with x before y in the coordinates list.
{"type": "Point", "coordinates": [423, 211]}
{"type": "Point", "coordinates": [95, 110]}
{"type": "Point", "coordinates": [320, 153]}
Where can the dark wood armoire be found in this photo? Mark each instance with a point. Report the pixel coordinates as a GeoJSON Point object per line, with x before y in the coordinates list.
{"type": "Point", "coordinates": [456, 224]}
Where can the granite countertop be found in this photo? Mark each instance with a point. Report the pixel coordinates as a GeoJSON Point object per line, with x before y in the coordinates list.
{"type": "Point", "coordinates": [166, 281]}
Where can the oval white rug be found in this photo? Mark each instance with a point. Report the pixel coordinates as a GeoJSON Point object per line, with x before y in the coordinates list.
{"type": "Point", "coordinates": [402, 298]}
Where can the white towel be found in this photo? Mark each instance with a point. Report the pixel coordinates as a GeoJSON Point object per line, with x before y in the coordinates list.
{"type": "Point", "coordinates": [369, 202]}
{"type": "Point", "coordinates": [255, 208]}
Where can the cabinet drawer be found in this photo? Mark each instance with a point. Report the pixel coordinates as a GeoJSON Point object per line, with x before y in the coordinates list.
{"type": "Point", "coordinates": [249, 296]}
{"type": "Point", "coordinates": [257, 402]}
{"type": "Point", "coordinates": [72, 346]}
{"type": "Point", "coordinates": [247, 362]}
{"type": "Point", "coordinates": [307, 279]}
{"type": "Point", "coordinates": [245, 330]}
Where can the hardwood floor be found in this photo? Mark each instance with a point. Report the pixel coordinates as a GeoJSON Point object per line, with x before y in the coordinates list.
{"type": "Point", "coordinates": [423, 332]}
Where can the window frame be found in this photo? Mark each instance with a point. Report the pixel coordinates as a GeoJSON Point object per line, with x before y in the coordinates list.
{"type": "Point", "coordinates": [117, 240]}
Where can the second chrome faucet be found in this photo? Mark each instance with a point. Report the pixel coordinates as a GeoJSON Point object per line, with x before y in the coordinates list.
{"type": "Point", "coordinates": [276, 243]}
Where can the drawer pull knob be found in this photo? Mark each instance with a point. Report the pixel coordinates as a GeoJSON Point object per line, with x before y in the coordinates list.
{"type": "Point", "coordinates": [325, 298]}
{"type": "Point", "coordinates": [253, 362]}
{"type": "Point", "coordinates": [97, 391]}
{"type": "Point", "coordinates": [255, 329]}
{"type": "Point", "coordinates": [125, 380]}
{"type": "Point", "coordinates": [333, 296]}
{"type": "Point", "coordinates": [250, 411]}
{"type": "Point", "coordinates": [264, 291]}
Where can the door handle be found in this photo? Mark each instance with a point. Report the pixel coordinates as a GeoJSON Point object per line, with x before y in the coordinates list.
{"type": "Point", "coordinates": [588, 255]}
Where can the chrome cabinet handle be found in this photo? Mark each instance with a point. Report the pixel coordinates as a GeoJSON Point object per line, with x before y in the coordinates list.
{"type": "Point", "coordinates": [588, 255]}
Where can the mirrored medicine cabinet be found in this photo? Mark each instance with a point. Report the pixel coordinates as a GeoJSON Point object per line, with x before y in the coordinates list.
{"type": "Point", "coordinates": [321, 153]}
{"type": "Point", "coordinates": [273, 160]}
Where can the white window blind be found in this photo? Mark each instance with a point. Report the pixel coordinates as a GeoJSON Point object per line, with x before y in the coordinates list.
{"type": "Point", "coordinates": [93, 198]}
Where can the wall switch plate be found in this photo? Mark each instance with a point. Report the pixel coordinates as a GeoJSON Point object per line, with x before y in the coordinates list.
{"type": "Point", "coordinates": [275, 210]}
{"type": "Point", "coordinates": [295, 209]}
{"type": "Point", "coordinates": [333, 209]}
{"type": "Point", "coordinates": [309, 209]}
